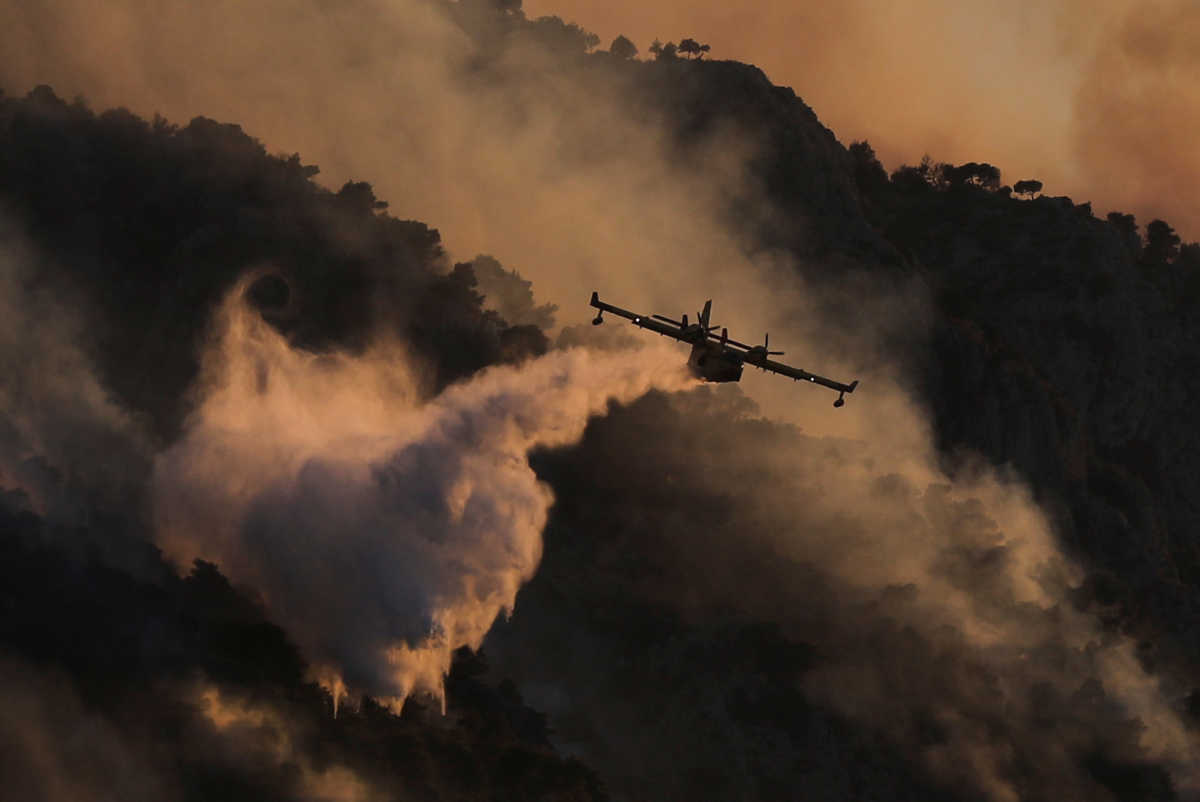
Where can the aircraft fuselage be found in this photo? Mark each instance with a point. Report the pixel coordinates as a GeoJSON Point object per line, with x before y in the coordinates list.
{"type": "Point", "coordinates": [713, 363]}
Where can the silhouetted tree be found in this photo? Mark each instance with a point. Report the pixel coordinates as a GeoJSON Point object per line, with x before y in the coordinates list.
{"type": "Point", "coordinates": [868, 172]}
{"type": "Point", "coordinates": [1127, 230]}
{"type": "Point", "coordinates": [1028, 187]}
{"type": "Point", "coordinates": [927, 175]}
{"type": "Point", "coordinates": [1189, 256]}
{"type": "Point", "coordinates": [510, 295]}
{"type": "Point", "coordinates": [974, 174]}
{"type": "Point", "coordinates": [623, 48]}
{"type": "Point", "coordinates": [358, 196]}
{"type": "Point", "coordinates": [1162, 243]}
{"type": "Point", "coordinates": [693, 48]}
{"type": "Point", "coordinates": [909, 179]}
{"type": "Point", "coordinates": [1188, 265]}
{"type": "Point", "coordinates": [491, 7]}
{"type": "Point", "coordinates": [563, 36]}
{"type": "Point", "coordinates": [1124, 223]}
{"type": "Point", "coordinates": [663, 52]}
{"type": "Point", "coordinates": [936, 174]}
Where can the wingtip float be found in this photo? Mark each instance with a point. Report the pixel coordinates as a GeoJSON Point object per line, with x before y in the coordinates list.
{"type": "Point", "coordinates": [716, 358]}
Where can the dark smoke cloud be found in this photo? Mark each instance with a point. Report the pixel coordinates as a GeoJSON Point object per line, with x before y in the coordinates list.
{"type": "Point", "coordinates": [53, 749]}
{"type": "Point", "coordinates": [65, 442]}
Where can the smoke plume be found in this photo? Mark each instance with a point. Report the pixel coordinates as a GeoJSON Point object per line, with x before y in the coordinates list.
{"type": "Point", "coordinates": [938, 609]}
{"type": "Point", "coordinates": [54, 749]}
{"type": "Point", "coordinates": [382, 533]}
{"type": "Point", "coordinates": [1137, 111]}
{"type": "Point", "coordinates": [260, 735]}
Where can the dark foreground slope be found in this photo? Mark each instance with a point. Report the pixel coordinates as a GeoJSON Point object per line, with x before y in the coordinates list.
{"type": "Point", "coordinates": [1060, 345]}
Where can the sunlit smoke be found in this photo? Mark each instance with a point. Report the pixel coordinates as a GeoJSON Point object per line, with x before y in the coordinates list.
{"type": "Point", "coordinates": [383, 533]}
{"type": "Point", "coordinates": [269, 737]}
{"type": "Point", "coordinates": [969, 561]}
{"type": "Point", "coordinates": [939, 605]}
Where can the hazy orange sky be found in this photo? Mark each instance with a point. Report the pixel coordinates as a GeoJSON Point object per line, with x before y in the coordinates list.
{"type": "Point", "coordinates": [1100, 100]}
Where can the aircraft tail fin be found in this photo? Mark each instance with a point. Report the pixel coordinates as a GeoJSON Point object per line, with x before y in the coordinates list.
{"type": "Point", "coordinates": [705, 314]}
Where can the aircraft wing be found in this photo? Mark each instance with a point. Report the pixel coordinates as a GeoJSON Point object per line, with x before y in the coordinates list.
{"type": "Point", "coordinates": [802, 375]}
{"type": "Point", "coordinates": [665, 328]}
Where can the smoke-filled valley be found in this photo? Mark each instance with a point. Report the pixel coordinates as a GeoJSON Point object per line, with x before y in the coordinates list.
{"type": "Point", "coordinates": [304, 499]}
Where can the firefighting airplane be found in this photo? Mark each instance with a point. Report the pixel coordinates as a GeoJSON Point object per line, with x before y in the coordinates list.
{"type": "Point", "coordinates": [718, 359]}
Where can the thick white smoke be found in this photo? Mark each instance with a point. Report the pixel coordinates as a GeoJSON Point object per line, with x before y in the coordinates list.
{"type": "Point", "coordinates": [383, 533]}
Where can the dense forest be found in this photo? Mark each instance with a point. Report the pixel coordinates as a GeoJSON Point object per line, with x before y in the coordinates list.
{"type": "Point", "coordinates": [673, 643]}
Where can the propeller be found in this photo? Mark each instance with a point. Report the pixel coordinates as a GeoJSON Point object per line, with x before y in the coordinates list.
{"type": "Point", "coordinates": [757, 354]}
{"type": "Point", "coordinates": [765, 348]}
